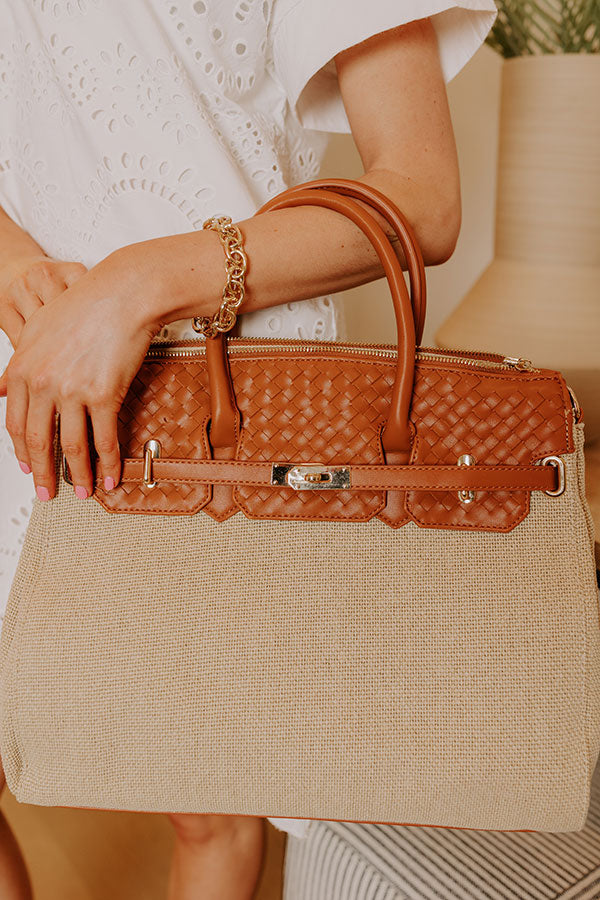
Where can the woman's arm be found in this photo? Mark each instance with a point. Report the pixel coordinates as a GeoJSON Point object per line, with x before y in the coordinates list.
{"type": "Point", "coordinates": [395, 98]}
{"type": "Point", "coordinates": [28, 278]}
{"type": "Point", "coordinates": [14, 241]}
{"type": "Point", "coordinates": [79, 354]}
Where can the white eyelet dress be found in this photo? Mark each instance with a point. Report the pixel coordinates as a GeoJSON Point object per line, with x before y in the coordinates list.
{"type": "Point", "coordinates": [121, 122]}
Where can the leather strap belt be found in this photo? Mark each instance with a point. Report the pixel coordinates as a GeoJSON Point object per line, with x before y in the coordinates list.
{"type": "Point", "coordinates": [548, 477]}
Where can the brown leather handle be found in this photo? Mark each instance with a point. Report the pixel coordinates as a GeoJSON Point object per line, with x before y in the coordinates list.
{"type": "Point", "coordinates": [399, 224]}
{"type": "Point", "coordinates": [396, 435]}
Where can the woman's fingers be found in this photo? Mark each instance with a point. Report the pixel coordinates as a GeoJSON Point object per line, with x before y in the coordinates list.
{"type": "Point", "coordinates": [30, 423]}
{"type": "Point", "coordinates": [75, 446]}
{"type": "Point", "coordinates": [11, 323]}
{"type": "Point", "coordinates": [16, 416]}
{"type": "Point", "coordinates": [25, 299]}
{"type": "Point", "coordinates": [106, 441]}
{"type": "Point", "coordinates": [44, 281]}
{"type": "Point", "coordinates": [72, 272]}
{"type": "Point", "coordinates": [39, 437]}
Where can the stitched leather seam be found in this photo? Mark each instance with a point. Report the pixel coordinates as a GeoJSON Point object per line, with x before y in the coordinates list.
{"type": "Point", "coordinates": [379, 441]}
{"type": "Point", "coordinates": [394, 523]}
{"type": "Point", "coordinates": [226, 513]}
{"type": "Point", "coordinates": [359, 517]}
{"type": "Point", "coordinates": [153, 509]}
{"type": "Point", "coordinates": [410, 487]}
{"type": "Point", "coordinates": [221, 517]}
{"type": "Point", "coordinates": [237, 414]}
{"type": "Point", "coordinates": [569, 431]}
{"type": "Point", "coordinates": [390, 495]}
{"type": "Point", "coordinates": [150, 510]}
{"type": "Point", "coordinates": [456, 526]}
{"type": "Point", "coordinates": [359, 467]}
{"type": "Point", "coordinates": [196, 507]}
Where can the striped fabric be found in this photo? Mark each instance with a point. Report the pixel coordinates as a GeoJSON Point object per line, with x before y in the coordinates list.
{"type": "Point", "coordinates": [346, 861]}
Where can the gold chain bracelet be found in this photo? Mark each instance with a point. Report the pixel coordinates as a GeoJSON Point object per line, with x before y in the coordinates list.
{"type": "Point", "coordinates": [236, 265]}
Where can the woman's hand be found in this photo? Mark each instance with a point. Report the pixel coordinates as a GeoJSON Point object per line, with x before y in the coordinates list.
{"type": "Point", "coordinates": [28, 282]}
{"type": "Point", "coordinates": [78, 356]}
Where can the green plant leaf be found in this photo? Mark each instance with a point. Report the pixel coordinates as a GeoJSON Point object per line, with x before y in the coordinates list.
{"type": "Point", "coordinates": [530, 27]}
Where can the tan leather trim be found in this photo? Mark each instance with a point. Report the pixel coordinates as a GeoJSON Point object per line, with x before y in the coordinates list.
{"type": "Point", "coordinates": [224, 414]}
{"type": "Point", "coordinates": [395, 513]}
{"type": "Point", "coordinates": [331, 407]}
{"type": "Point", "coordinates": [363, 477]}
{"type": "Point", "coordinates": [222, 505]}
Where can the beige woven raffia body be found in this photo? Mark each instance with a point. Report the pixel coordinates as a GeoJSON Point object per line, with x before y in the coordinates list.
{"type": "Point", "coordinates": [164, 682]}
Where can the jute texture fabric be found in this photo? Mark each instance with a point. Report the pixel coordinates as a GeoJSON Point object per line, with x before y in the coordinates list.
{"type": "Point", "coordinates": [345, 861]}
{"type": "Point", "coordinates": [333, 670]}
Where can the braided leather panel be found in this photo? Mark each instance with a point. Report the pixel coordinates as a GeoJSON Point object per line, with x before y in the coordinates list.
{"type": "Point", "coordinates": [295, 410]}
{"type": "Point", "coordinates": [170, 403]}
{"type": "Point", "coordinates": [498, 420]}
{"type": "Point", "coordinates": [330, 407]}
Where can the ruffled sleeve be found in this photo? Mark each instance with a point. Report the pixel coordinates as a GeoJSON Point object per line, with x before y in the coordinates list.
{"type": "Point", "coordinates": [307, 34]}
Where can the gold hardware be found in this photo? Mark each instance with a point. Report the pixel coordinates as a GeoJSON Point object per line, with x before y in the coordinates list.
{"type": "Point", "coordinates": [466, 496]}
{"type": "Point", "coordinates": [194, 347]}
{"type": "Point", "coordinates": [310, 476]}
{"type": "Point", "coordinates": [151, 452]}
{"type": "Point", "coordinates": [559, 465]}
{"type": "Point", "coordinates": [517, 362]}
{"type": "Point", "coordinates": [236, 264]}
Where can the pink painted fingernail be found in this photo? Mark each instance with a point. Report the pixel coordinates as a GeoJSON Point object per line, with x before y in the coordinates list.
{"type": "Point", "coordinates": [25, 468]}
{"type": "Point", "coordinates": [42, 492]}
{"type": "Point", "coordinates": [109, 483]}
{"type": "Point", "coordinates": [81, 492]}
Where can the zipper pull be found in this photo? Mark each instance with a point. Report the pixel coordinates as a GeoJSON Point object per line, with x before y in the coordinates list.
{"type": "Point", "coordinates": [517, 362]}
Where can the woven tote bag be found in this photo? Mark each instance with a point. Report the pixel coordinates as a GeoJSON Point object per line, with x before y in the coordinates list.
{"type": "Point", "coordinates": [336, 581]}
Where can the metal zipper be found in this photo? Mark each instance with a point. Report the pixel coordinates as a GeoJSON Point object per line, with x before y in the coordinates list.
{"type": "Point", "coordinates": [188, 348]}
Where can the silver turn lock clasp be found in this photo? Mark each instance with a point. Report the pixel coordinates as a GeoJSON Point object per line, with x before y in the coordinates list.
{"type": "Point", "coordinates": [310, 476]}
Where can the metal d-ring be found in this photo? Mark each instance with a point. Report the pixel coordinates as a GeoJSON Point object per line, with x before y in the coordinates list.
{"type": "Point", "coordinates": [559, 465]}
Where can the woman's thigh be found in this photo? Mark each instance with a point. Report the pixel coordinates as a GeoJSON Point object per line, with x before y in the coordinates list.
{"type": "Point", "coordinates": [197, 827]}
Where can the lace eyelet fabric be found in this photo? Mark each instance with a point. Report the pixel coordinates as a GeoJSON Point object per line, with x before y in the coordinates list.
{"type": "Point", "coordinates": [123, 122]}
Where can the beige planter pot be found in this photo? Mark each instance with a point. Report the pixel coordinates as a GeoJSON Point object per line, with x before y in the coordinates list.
{"type": "Point", "coordinates": [540, 297]}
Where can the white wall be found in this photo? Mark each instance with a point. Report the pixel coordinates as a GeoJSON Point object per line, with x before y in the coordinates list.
{"type": "Point", "coordinates": [474, 101]}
